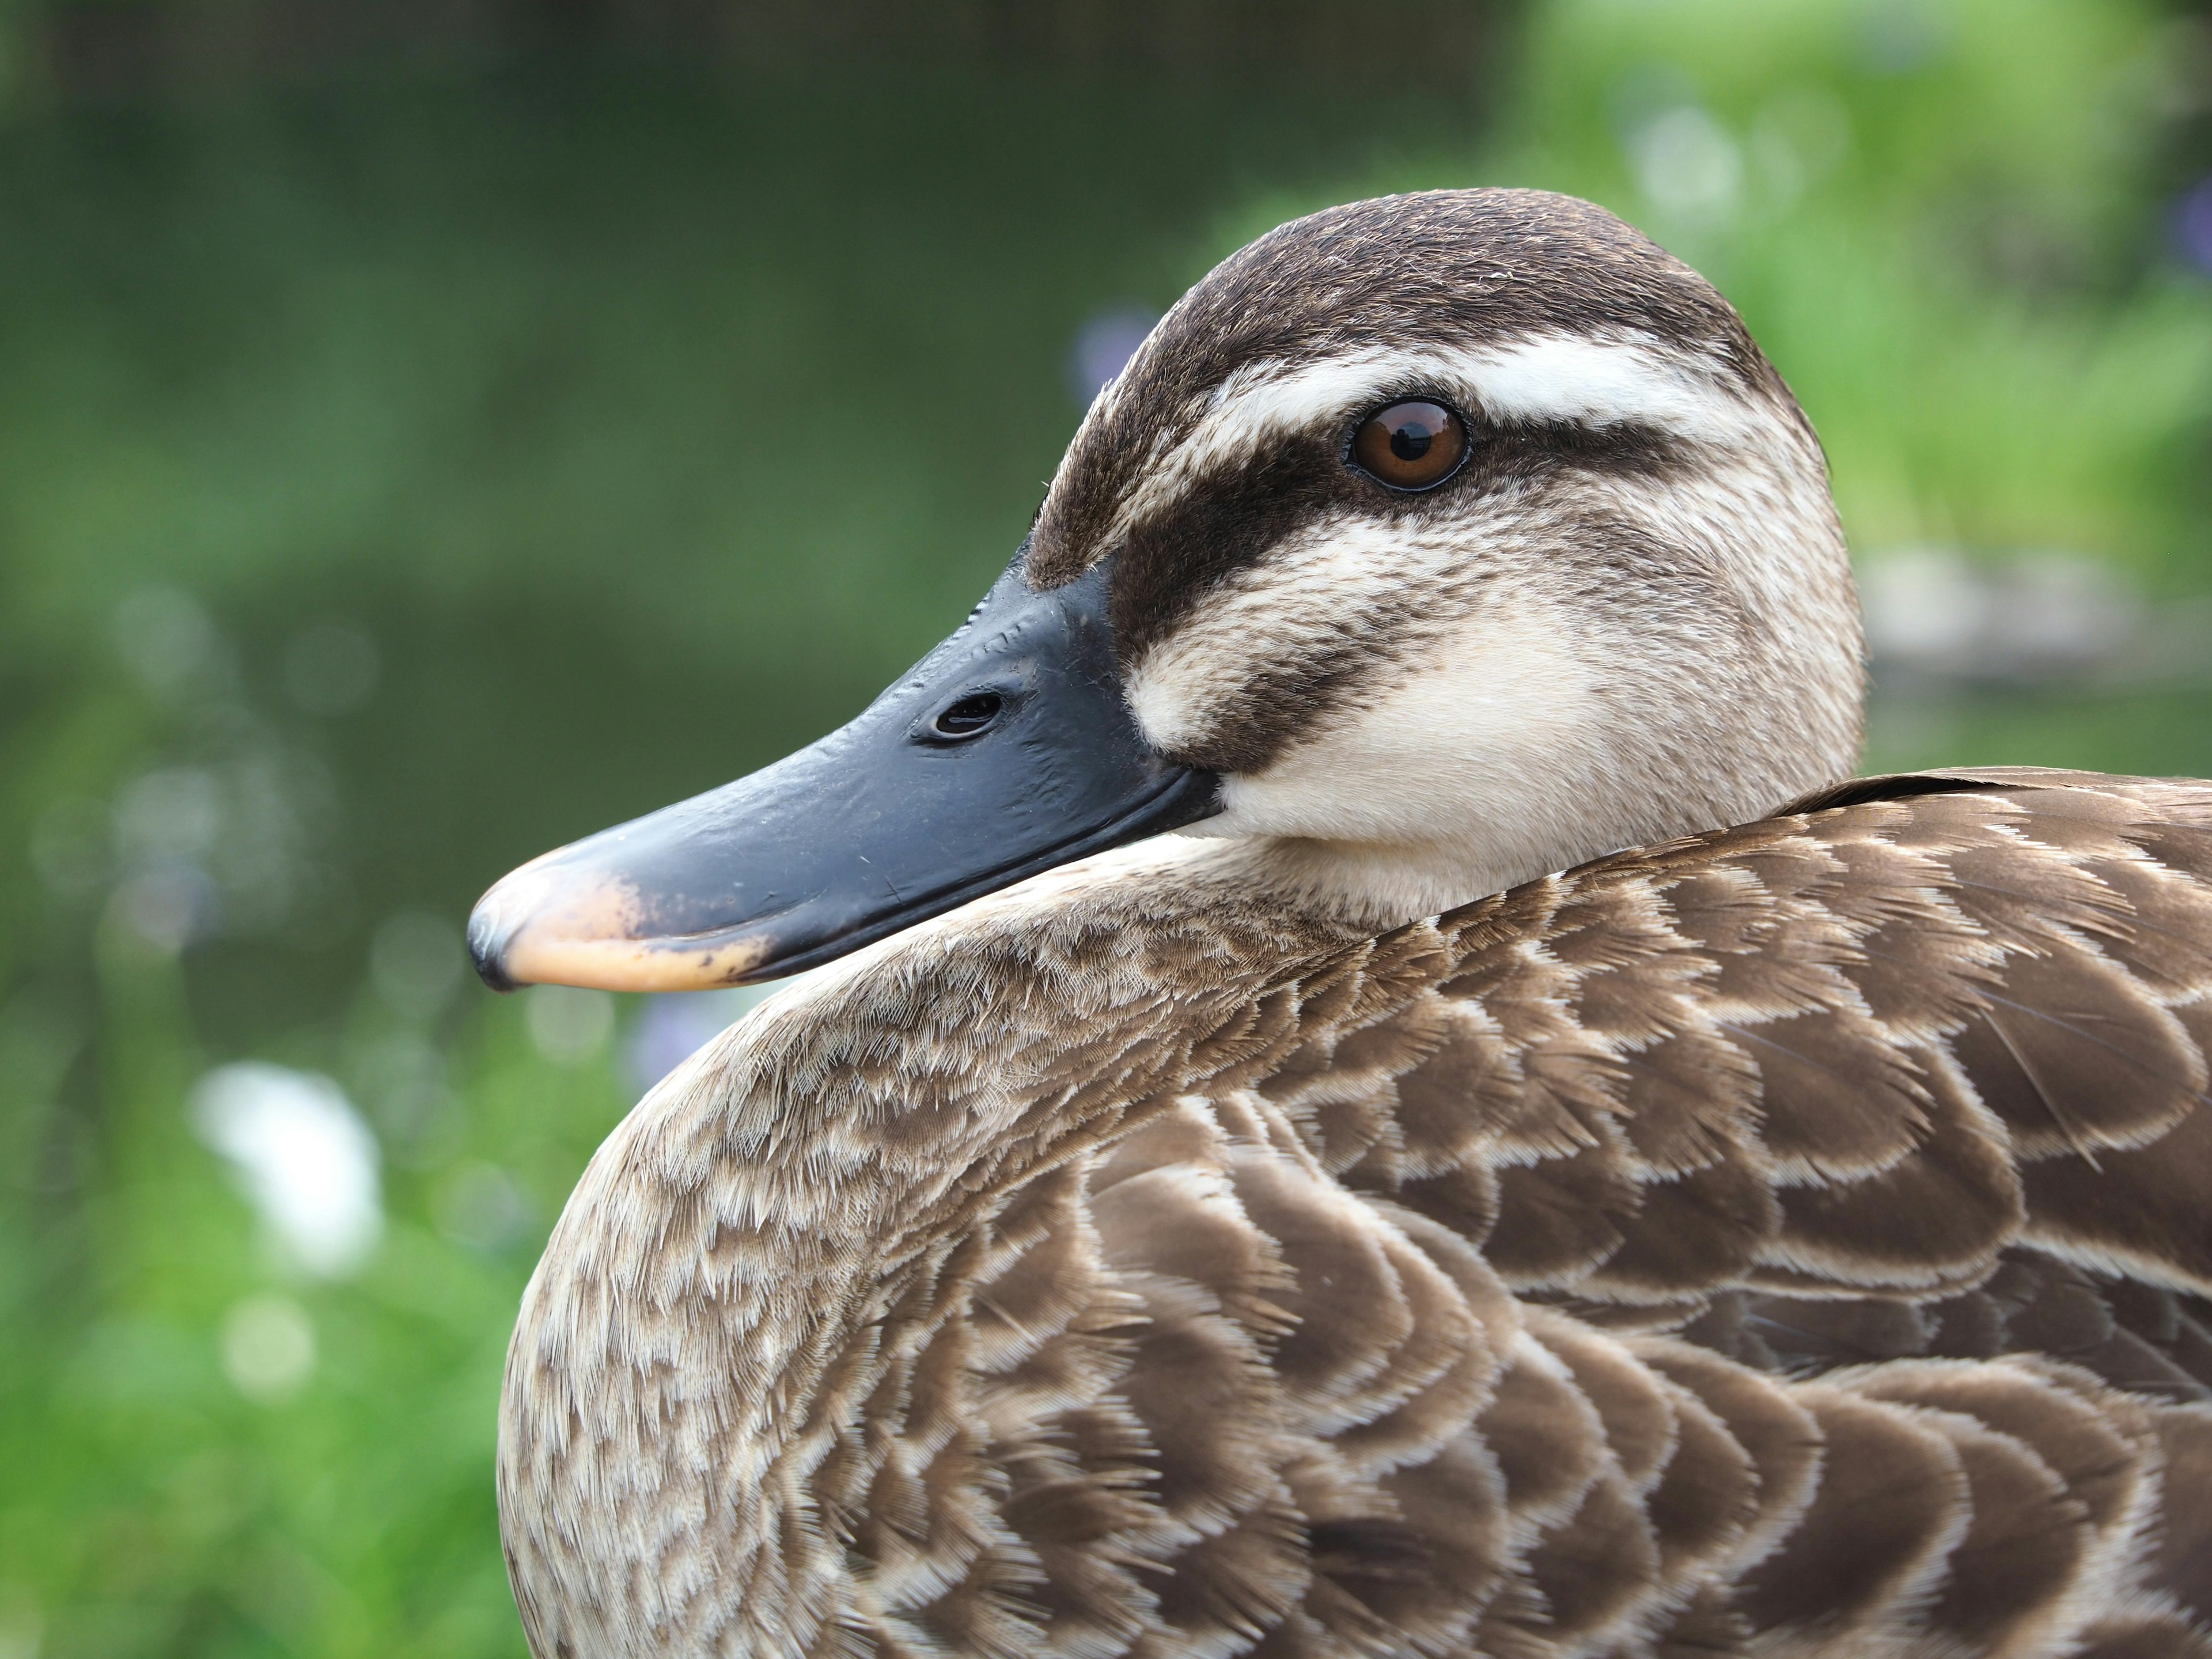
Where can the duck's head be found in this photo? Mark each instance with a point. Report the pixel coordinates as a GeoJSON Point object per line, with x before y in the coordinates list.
{"type": "Point", "coordinates": [1430, 543]}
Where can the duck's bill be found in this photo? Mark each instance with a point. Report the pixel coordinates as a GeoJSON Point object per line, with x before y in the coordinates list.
{"type": "Point", "coordinates": [1008, 750]}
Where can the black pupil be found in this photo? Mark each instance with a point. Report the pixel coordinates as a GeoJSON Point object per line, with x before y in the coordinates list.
{"type": "Point", "coordinates": [1410, 441]}
{"type": "Point", "coordinates": [969, 714]}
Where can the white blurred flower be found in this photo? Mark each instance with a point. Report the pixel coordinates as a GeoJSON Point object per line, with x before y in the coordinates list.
{"type": "Point", "coordinates": [1934, 613]}
{"type": "Point", "coordinates": [417, 961]}
{"type": "Point", "coordinates": [568, 1025]}
{"type": "Point", "coordinates": [1925, 606]}
{"type": "Point", "coordinates": [305, 1159]}
{"type": "Point", "coordinates": [165, 636]}
{"type": "Point", "coordinates": [268, 1348]}
{"type": "Point", "coordinates": [1687, 164]}
{"type": "Point", "coordinates": [174, 813]}
{"type": "Point", "coordinates": [168, 906]}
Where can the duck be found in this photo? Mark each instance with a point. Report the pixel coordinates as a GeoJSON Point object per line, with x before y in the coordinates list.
{"type": "Point", "coordinates": [1368, 1080]}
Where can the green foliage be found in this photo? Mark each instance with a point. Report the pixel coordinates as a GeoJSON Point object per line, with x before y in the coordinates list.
{"type": "Point", "coordinates": [152, 1505]}
{"type": "Point", "coordinates": [643, 427]}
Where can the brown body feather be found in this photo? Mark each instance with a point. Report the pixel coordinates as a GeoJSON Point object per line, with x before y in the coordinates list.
{"type": "Point", "coordinates": [1791, 1240]}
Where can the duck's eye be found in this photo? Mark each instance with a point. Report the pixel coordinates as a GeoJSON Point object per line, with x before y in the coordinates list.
{"type": "Point", "coordinates": [1415, 445]}
{"type": "Point", "coordinates": [965, 718]}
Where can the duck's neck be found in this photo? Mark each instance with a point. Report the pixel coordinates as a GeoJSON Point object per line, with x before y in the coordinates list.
{"type": "Point", "coordinates": [1371, 886]}
{"type": "Point", "coordinates": [1451, 845]}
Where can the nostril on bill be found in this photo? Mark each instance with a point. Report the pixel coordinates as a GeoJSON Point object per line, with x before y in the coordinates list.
{"type": "Point", "coordinates": [972, 715]}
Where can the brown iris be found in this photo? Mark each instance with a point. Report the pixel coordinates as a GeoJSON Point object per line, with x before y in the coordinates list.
{"type": "Point", "coordinates": [1410, 445]}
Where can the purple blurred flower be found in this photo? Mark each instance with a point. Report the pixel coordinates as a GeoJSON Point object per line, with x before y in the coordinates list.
{"type": "Point", "coordinates": [1103, 345]}
{"type": "Point", "coordinates": [669, 1027]}
{"type": "Point", "coordinates": [2192, 223]}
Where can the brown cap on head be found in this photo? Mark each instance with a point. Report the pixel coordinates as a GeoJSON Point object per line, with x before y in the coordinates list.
{"type": "Point", "coordinates": [1398, 271]}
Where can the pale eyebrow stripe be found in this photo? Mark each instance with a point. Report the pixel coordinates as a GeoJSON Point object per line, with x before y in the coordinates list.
{"type": "Point", "coordinates": [1551, 378]}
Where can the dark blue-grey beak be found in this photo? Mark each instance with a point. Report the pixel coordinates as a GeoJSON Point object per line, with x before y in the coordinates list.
{"type": "Point", "coordinates": [1008, 750]}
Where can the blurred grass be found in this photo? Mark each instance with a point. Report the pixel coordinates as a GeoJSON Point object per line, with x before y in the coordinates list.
{"type": "Point", "coordinates": [644, 424]}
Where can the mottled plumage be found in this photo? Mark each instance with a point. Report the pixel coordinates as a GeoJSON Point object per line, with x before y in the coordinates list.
{"type": "Point", "coordinates": [1786, 1239]}
{"type": "Point", "coordinates": [1790, 1239]}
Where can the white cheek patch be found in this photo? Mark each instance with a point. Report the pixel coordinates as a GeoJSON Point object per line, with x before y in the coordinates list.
{"type": "Point", "coordinates": [1480, 733]}
{"type": "Point", "coordinates": [1500, 722]}
{"type": "Point", "coordinates": [1544, 377]}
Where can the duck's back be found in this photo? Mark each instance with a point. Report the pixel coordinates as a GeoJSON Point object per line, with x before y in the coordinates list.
{"type": "Point", "coordinates": [1787, 1241]}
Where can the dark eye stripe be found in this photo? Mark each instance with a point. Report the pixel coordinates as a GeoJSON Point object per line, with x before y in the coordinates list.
{"type": "Point", "coordinates": [1228, 519]}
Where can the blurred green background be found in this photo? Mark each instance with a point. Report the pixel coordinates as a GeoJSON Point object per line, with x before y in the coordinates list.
{"type": "Point", "coordinates": [429, 433]}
